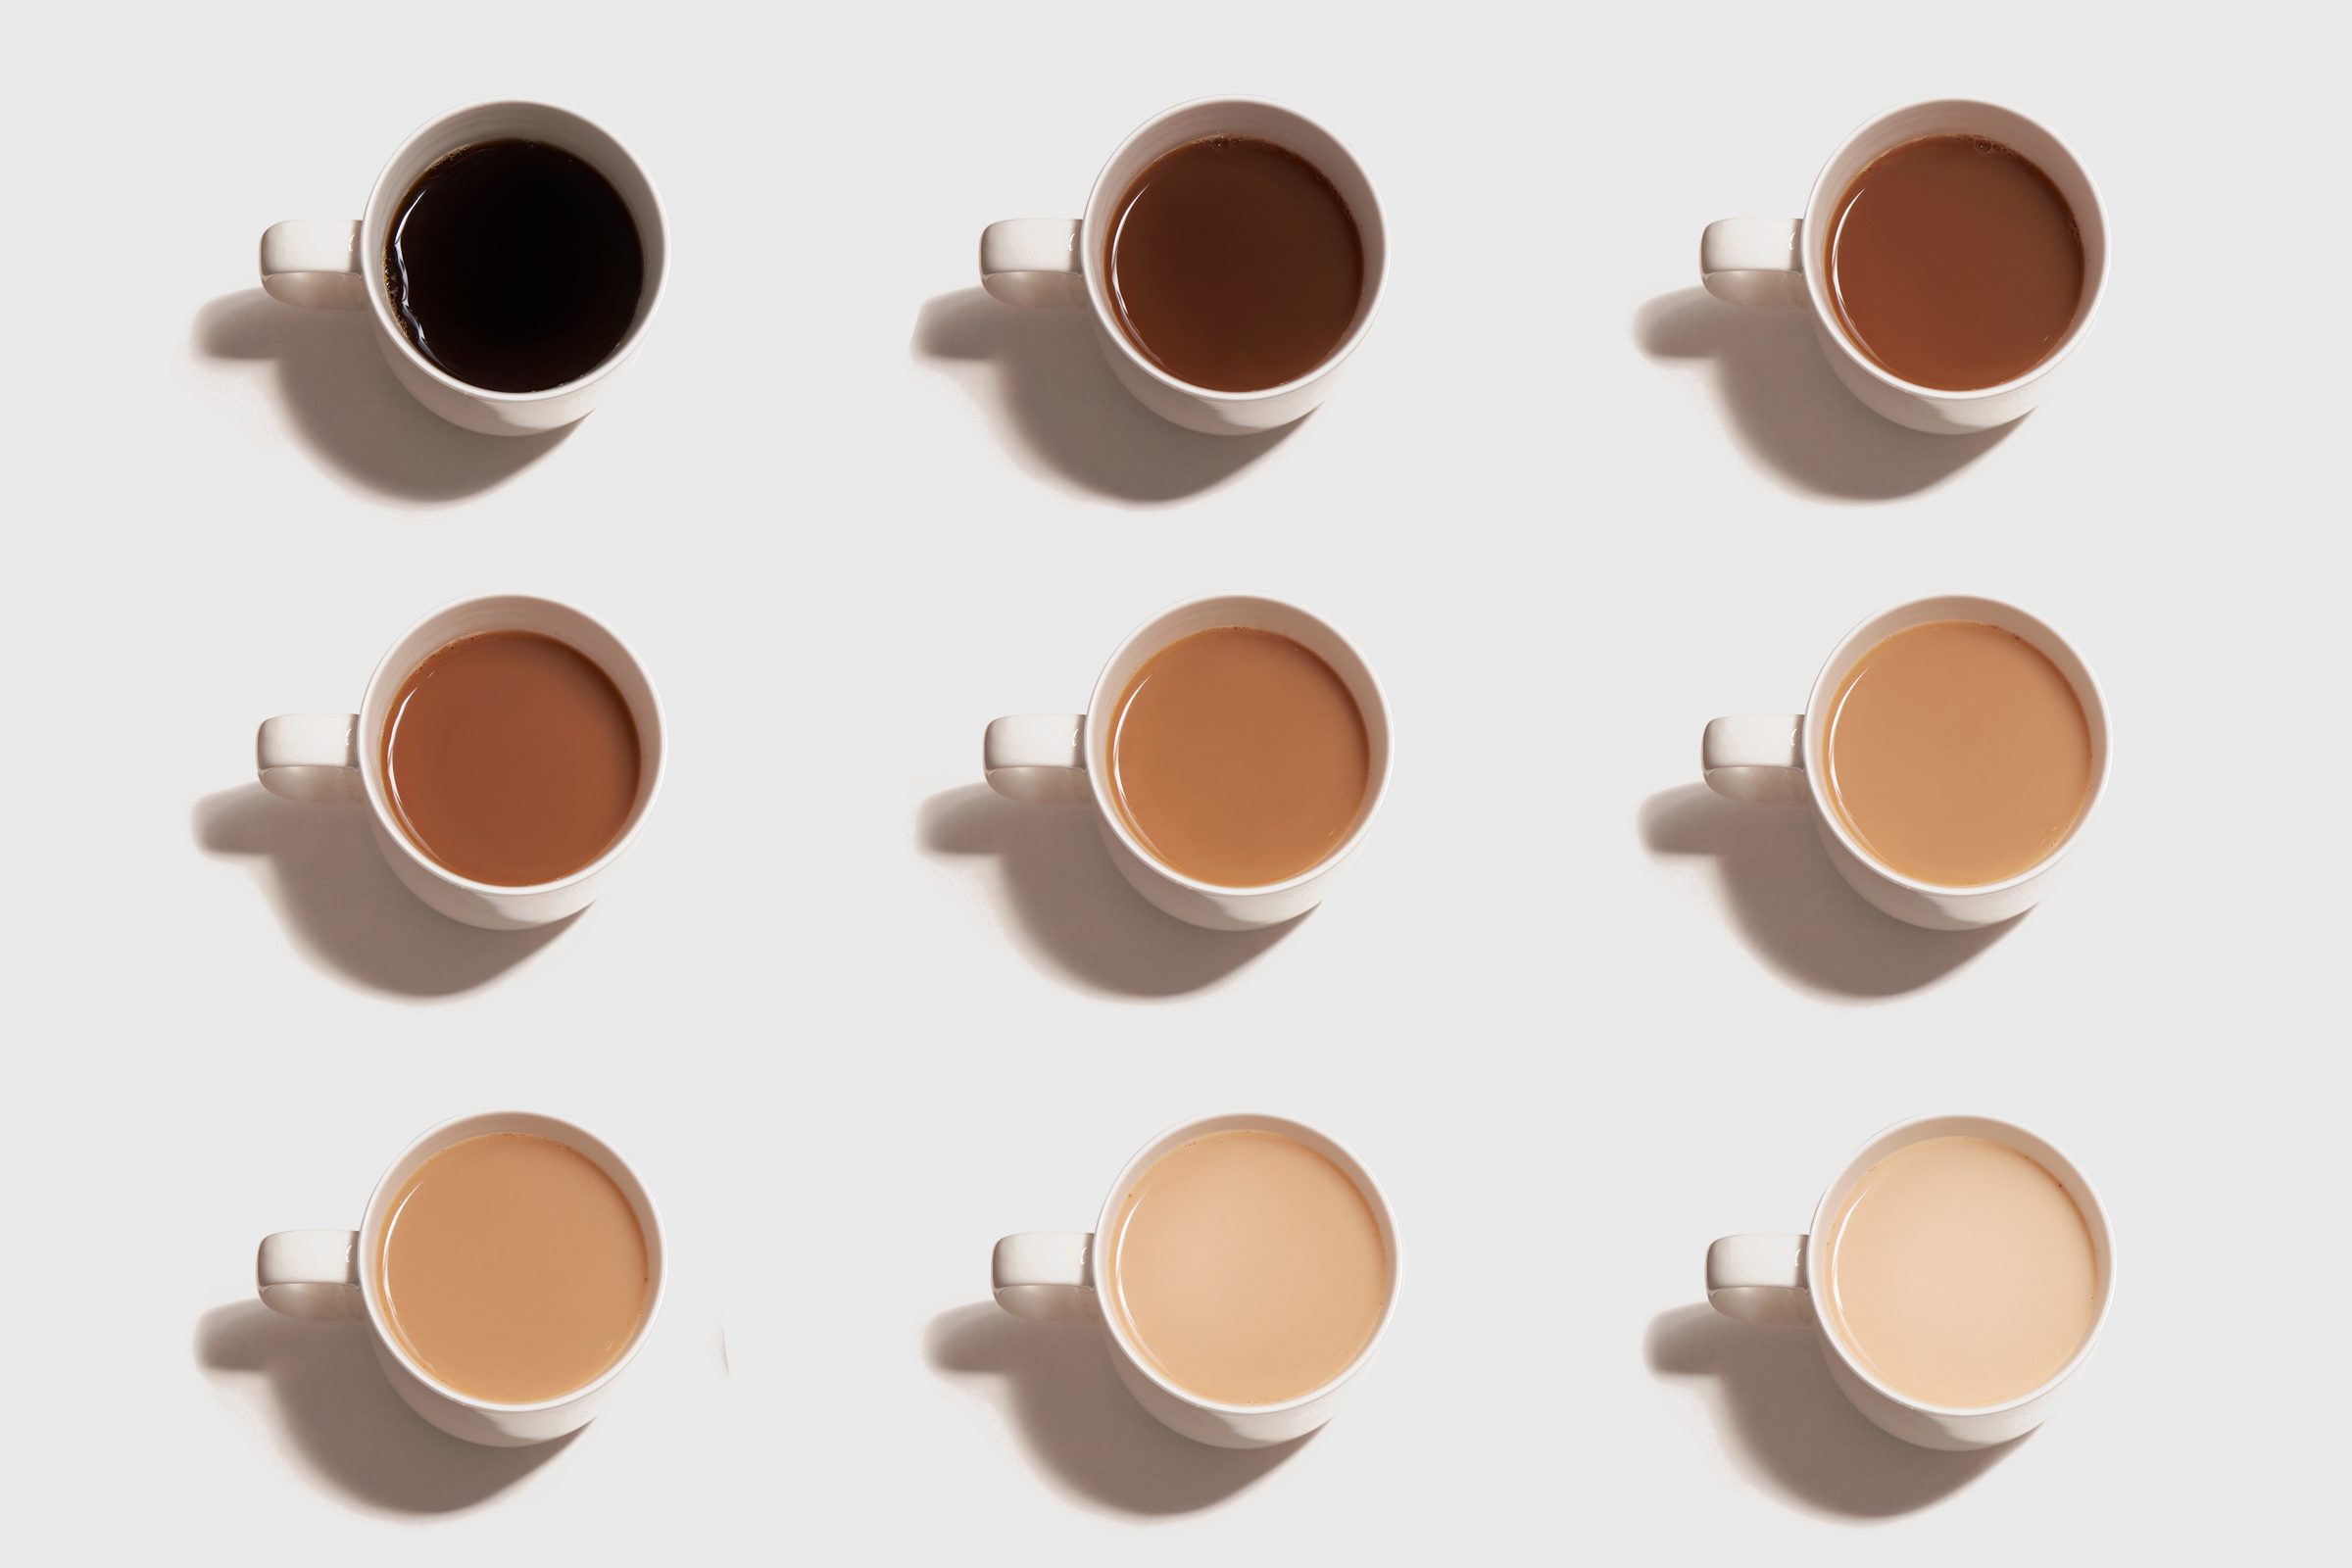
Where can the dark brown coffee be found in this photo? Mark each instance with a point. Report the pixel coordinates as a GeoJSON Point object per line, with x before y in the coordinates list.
{"type": "Point", "coordinates": [1234, 265]}
{"type": "Point", "coordinates": [511, 757]}
{"type": "Point", "coordinates": [514, 266]}
{"type": "Point", "coordinates": [1954, 262]}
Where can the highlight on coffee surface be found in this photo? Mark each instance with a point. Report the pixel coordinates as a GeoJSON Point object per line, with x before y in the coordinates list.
{"type": "Point", "coordinates": [1954, 262]}
{"type": "Point", "coordinates": [510, 758]}
{"type": "Point", "coordinates": [1234, 264]}
{"type": "Point", "coordinates": [1246, 1268]}
{"type": "Point", "coordinates": [1237, 757]}
{"type": "Point", "coordinates": [512, 1269]}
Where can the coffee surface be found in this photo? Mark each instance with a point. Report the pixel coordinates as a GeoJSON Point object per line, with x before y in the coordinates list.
{"type": "Point", "coordinates": [1954, 262]}
{"type": "Point", "coordinates": [511, 757]}
{"type": "Point", "coordinates": [514, 266]}
{"type": "Point", "coordinates": [1238, 757]}
{"type": "Point", "coordinates": [1960, 1273]}
{"type": "Point", "coordinates": [512, 1269]}
{"type": "Point", "coordinates": [1248, 1268]}
{"type": "Point", "coordinates": [1234, 265]}
{"type": "Point", "coordinates": [1958, 753]}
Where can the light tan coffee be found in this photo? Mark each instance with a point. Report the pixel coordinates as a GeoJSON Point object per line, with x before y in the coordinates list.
{"type": "Point", "coordinates": [1246, 1268]}
{"type": "Point", "coordinates": [512, 1269]}
{"type": "Point", "coordinates": [1959, 1273]}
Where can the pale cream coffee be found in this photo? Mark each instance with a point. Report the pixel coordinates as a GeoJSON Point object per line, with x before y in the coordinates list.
{"type": "Point", "coordinates": [1959, 1273]}
{"type": "Point", "coordinates": [1246, 1268]}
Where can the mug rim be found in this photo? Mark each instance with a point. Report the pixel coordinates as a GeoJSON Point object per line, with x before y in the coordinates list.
{"type": "Point", "coordinates": [372, 271]}
{"type": "Point", "coordinates": [1167, 1140]}
{"type": "Point", "coordinates": [1841, 660]}
{"type": "Point", "coordinates": [390, 1341]}
{"type": "Point", "coordinates": [1817, 288]}
{"type": "Point", "coordinates": [1090, 269]}
{"type": "Point", "coordinates": [1099, 787]}
{"type": "Point", "coordinates": [2098, 1218]}
{"type": "Point", "coordinates": [371, 766]}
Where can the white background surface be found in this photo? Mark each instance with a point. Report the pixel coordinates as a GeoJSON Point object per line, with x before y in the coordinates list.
{"type": "Point", "coordinates": [852, 1018]}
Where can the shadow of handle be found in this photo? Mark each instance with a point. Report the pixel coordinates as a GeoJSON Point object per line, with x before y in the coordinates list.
{"type": "Point", "coordinates": [1759, 1279]}
{"type": "Point", "coordinates": [309, 756]}
{"type": "Point", "coordinates": [313, 263]}
{"type": "Point", "coordinates": [1046, 1275]}
{"type": "Point", "coordinates": [1033, 261]}
{"type": "Point", "coordinates": [312, 1274]}
{"type": "Point", "coordinates": [1756, 757]}
{"type": "Point", "coordinates": [1754, 261]}
{"type": "Point", "coordinates": [1039, 758]}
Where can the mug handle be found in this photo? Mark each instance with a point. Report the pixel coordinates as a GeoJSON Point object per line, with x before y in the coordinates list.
{"type": "Point", "coordinates": [1033, 261]}
{"type": "Point", "coordinates": [313, 262]}
{"type": "Point", "coordinates": [310, 757]}
{"type": "Point", "coordinates": [1756, 757]}
{"type": "Point", "coordinates": [1754, 261]}
{"type": "Point", "coordinates": [1046, 1275]}
{"type": "Point", "coordinates": [1037, 757]}
{"type": "Point", "coordinates": [313, 1274]}
{"type": "Point", "coordinates": [1759, 1279]}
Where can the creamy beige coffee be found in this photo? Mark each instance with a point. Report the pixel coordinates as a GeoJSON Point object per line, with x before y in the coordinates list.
{"type": "Point", "coordinates": [1958, 753]}
{"type": "Point", "coordinates": [1246, 1268]}
{"type": "Point", "coordinates": [512, 1269]}
{"type": "Point", "coordinates": [1959, 1273]}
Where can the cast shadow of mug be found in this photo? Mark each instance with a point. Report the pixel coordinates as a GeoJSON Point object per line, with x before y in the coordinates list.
{"type": "Point", "coordinates": [1789, 406]}
{"type": "Point", "coordinates": [340, 401]}
{"type": "Point", "coordinates": [1070, 907]}
{"type": "Point", "coordinates": [341, 1417]}
{"type": "Point", "coordinates": [1789, 1423]}
{"type": "Point", "coordinates": [343, 905]}
{"type": "Point", "coordinates": [1079, 1423]}
{"type": "Point", "coordinates": [1041, 377]}
{"type": "Point", "coordinates": [1792, 908]}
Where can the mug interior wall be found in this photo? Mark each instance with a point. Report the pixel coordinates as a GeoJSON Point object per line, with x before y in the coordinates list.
{"type": "Point", "coordinates": [1956, 117]}
{"type": "Point", "coordinates": [1819, 1249]}
{"type": "Point", "coordinates": [1819, 706]}
{"type": "Point", "coordinates": [1263, 615]}
{"type": "Point", "coordinates": [499, 122]}
{"type": "Point", "coordinates": [577, 1139]}
{"type": "Point", "coordinates": [1107, 1221]}
{"type": "Point", "coordinates": [1235, 117]}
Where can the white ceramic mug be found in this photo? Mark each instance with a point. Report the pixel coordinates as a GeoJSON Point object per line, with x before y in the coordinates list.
{"type": "Point", "coordinates": [337, 263]}
{"type": "Point", "coordinates": [1779, 759]}
{"type": "Point", "coordinates": [1781, 260]}
{"type": "Point", "coordinates": [335, 1275]}
{"type": "Point", "coordinates": [1059, 261]}
{"type": "Point", "coordinates": [1766, 1279]}
{"type": "Point", "coordinates": [340, 757]}
{"type": "Point", "coordinates": [1050, 1275]}
{"type": "Point", "coordinates": [1063, 759]}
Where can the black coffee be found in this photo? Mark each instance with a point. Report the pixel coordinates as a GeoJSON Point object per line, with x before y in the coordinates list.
{"type": "Point", "coordinates": [514, 266]}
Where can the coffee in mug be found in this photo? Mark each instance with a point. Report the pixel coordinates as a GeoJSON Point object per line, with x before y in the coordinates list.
{"type": "Point", "coordinates": [512, 1269]}
{"type": "Point", "coordinates": [514, 266]}
{"type": "Point", "coordinates": [1238, 757]}
{"type": "Point", "coordinates": [510, 758]}
{"type": "Point", "coordinates": [1954, 262]}
{"type": "Point", "coordinates": [1959, 1273]}
{"type": "Point", "coordinates": [1246, 1268]}
{"type": "Point", "coordinates": [1958, 754]}
{"type": "Point", "coordinates": [1234, 264]}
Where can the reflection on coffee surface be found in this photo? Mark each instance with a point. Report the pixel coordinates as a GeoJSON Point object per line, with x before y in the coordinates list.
{"type": "Point", "coordinates": [1233, 264]}
{"type": "Point", "coordinates": [1238, 757]}
{"type": "Point", "coordinates": [512, 1269]}
{"type": "Point", "coordinates": [1959, 1273]}
{"type": "Point", "coordinates": [510, 758]}
{"type": "Point", "coordinates": [514, 266]}
{"type": "Point", "coordinates": [1246, 1268]}
{"type": "Point", "coordinates": [1954, 262]}
{"type": "Point", "coordinates": [1957, 754]}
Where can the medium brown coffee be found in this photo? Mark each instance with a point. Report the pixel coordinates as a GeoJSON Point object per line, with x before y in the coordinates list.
{"type": "Point", "coordinates": [510, 758]}
{"type": "Point", "coordinates": [1238, 757]}
{"type": "Point", "coordinates": [1960, 1273]}
{"type": "Point", "coordinates": [512, 1269]}
{"type": "Point", "coordinates": [1958, 753]}
{"type": "Point", "coordinates": [1246, 1268]}
{"type": "Point", "coordinates": [1954, 262]}
{"type": "Point", "coordinates": [1234, 265]}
